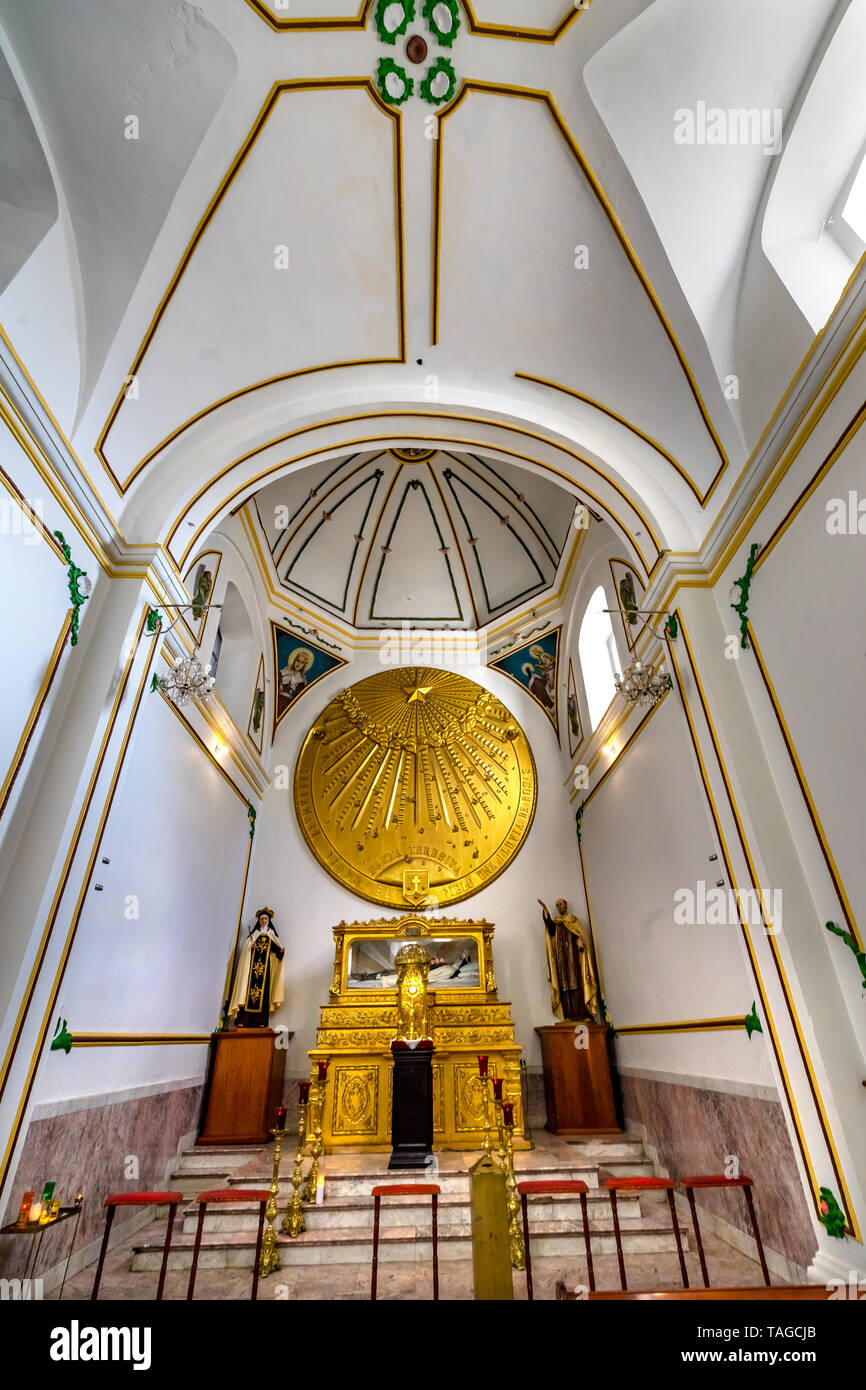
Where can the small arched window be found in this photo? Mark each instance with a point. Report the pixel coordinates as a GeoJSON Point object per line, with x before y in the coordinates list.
{"type": "Point", "coordinates": [599, 661]}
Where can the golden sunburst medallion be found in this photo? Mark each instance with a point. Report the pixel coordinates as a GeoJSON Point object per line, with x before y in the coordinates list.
{"type": "Point", "coordinates": [415, 786]}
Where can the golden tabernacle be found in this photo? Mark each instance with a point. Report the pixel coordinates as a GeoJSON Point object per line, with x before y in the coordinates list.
{"type": "Point", "coordinates": [463, 1012]}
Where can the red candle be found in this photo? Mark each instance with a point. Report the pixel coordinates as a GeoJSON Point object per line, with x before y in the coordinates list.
{"type": "Point", "coordinates": [508, 1114]}
{"type": "Point", "coordinates": [497, 1088]}
{"type": "Point", "coordinates": [482, 1064]}
{"type": "Point", "coordinates": [303, 1092]}
{"type": "Point", "coordinates": [281, 1118]}
{"type": "Point", "coordinates": [323, 1071]}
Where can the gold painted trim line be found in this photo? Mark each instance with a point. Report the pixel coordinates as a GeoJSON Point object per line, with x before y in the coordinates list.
{"type": "Point", "coordinates": [508, 31]}
{"type": "Point", "coordinates": [278, 90]}
{"type": "Point", "coordinates": [32, 515]}
{"type": "Point", "coordinates": [250, 484]}
{"type": "Point", "coordinates": [546, 99]}
{"type": "Point", "coordinates": [35, 713]}
{"type": "Point", "coordinates": [850, 431]}
{"type": "Point", "coordinates": [285, 602]}
{"type": "Point", "coordinates": [621, 420]}
{"type": "Point", "coordinates": [218, 733]}
{"type": "Point", "coordinates": [805, 1059]}
{"type": "Point", "coordinates": [80, 524]}
{"type": "Point", "coordinates": [694, 1025]}
{"type": "Point", "coordinates": [359, 21]}
{"type": "Point", "coordinates": [837, 374]}
{"type": "Point", "coordinates": [30, 987]}
{"type": "Point", "coordinates": [44, 1027]}
{"type": "Point", "coordinates": [812, 809]}
{"type": "Point", "coordinates": [138, 1039]}
{"type": "Point", "coordinates": [620, 753]}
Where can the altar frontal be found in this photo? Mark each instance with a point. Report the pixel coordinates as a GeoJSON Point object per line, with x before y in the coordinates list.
{"type": "Point", "coordinates": [464, 1016]}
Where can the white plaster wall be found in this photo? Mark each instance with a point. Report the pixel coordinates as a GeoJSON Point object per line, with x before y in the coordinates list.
{"type": "Point", "coordinates": [38, 311]}
{"type": "Point", "coordinates": [284, 875]}
{"type": "Point", "coordinates": [177, 839]}
{"type": "Point", "coordinates": [645, 834]}
{"type": "Point", "coordinates": [35, 589]}
{"type": "Point", "coordinates": [808, 605]}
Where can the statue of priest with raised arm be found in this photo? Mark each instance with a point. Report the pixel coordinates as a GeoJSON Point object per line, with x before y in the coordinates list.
{"type": "Point", "coordinates": [574, 993]}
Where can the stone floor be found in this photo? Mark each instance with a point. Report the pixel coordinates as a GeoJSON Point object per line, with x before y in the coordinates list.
{"type": "Point", "coordinates": [412, 1282]}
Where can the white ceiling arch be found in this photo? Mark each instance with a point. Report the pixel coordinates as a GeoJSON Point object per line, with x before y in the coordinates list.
{"type": "Point", "coordinates": [487, 275]}
{"type": "Point", "coordinates": [185, 521]}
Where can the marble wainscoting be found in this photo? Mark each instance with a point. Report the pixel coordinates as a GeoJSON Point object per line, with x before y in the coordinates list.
{"type": "Point", "coordinates": [85, 1145]}
{"type": "Point", "coordinates": [689, 1124]}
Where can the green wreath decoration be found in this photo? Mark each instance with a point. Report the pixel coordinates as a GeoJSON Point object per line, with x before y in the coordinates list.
{"type": "Point", "coordinates": [77, 595]}
{"type": "Point", "coordinates": [392, 35]}
{"type": "Point", "coordinates": [387, 68]}
{"type": "Point", "coordinates": [444, 36]}
{"type": "Point", "coordinates": [442, 65]}
{"type": "Point", "coordinates": [832, 1217]}
{"type": "Point", "coordinates": [742, 606]}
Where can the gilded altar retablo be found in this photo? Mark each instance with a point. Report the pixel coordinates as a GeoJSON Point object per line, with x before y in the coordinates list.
{"type": "Point", "coordinates": [415, 787]}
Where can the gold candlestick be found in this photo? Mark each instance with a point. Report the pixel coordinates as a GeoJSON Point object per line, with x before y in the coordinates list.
{"type": "Point", "coordinates": [269, 1259]}
{"type": "Point", "coordinates": [487, 1146]}
{"type": "Point", "coordinates": [501, 1149]}
{"type": "Point", "coordinates": [515, 1235]}
{"type": "Point", "coordinates": [316, 1103]}
{"type": "Point", "coordinates": [293, 1221]}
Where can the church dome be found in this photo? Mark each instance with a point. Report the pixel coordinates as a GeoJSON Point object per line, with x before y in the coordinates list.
{"type": "Point", "coordinates": [428, 538]}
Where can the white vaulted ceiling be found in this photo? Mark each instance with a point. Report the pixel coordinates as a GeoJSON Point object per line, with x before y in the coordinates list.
{"type": "Point", "coordinates": [534, 271]}
{"type": "Point", "coordinates": [450, 540]}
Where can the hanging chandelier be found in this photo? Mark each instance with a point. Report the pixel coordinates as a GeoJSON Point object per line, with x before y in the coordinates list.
{"type": "Point", "coordinates": [641, 685]}
{"type": "Point", "coordinates": [187, 680]}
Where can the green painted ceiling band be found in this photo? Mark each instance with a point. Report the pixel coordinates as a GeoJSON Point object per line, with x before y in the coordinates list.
{"type": "Point", "coordinates": [507, 603]}
{"type": "Point", "coordinates": [415, 483]}
{"type": "Point", "coordinates": [375, 479]}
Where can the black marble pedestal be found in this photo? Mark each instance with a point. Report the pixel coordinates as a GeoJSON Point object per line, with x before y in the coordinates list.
{"type": "Point", "coordinates": [412, 1107]}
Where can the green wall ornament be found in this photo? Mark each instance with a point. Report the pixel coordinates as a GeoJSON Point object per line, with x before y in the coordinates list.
{"type": "Point", "coordinates": [62, 1040]}
{"type": "Point", "coordinates": [251, 813]}
{"type": "Point", "coordinates": [850, 940]}
{"type": "Point", "coordinates": [386, 9]}
{"type": "Point", "coordinates": [742, 606]}
{"type": "Point", "coordinates": [434, 89]}
{"type": "Point", "coordinates": [672, 627]}
{"type": "Point", "coordinates": [578, 819]}
{"type": "Point", "coordinates": [752, 1022]}
{"type": "Point", "coordinates": [445, 32]}
{"type": "Point", "coordinates": [79, 592]}
{"type": "Point", "coordinates": [388, 68]}
{"type": "Point", "coordinates": [832, 1216]}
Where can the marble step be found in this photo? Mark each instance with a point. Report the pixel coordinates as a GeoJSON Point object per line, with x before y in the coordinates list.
{"type": "Point", "coordinates": [603, 1148]}
{"type": "Point", "coordinates": [348, 1245]}
{"type": "Point", "coordinates": [221, 1158]}
{"type": "Point", "coordinates": [342, 1183]}
{"type": "Point", "coordinates": [453, 1211]}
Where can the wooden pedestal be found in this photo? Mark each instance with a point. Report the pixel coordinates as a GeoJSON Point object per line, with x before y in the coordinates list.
{"type": "Point", "coordinates": [246, 1087]}
{"type": "Point", "coordinates": [577, 1084]}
